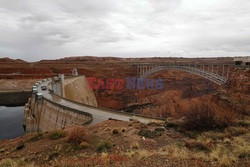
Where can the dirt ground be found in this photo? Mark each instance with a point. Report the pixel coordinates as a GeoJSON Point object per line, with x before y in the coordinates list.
{"type": "Point", "coordinates": [118, 143]}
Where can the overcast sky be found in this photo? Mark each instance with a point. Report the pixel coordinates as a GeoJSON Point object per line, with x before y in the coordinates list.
{"type": "Point", "coordinates": [48, 29]}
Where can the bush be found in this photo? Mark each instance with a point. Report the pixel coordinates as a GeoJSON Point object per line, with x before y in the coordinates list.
{"type": "Point", "coordinates": [20, 146]}
{"type": "Point", "coordinates": [52, 156]}
{"type": "Point", "coordinates": [171, 125]}
{"type": "Point", "coordinates": [159, 129]}
{"type": "Point", "coordinates": [57, 134]}
{"type": "Point", "coordinates": [36, 137]}
{"type": "Point", "coordinates": [115, 131]}
{"type": "Point", "coordinates": [103, 146]}
{"type": "Point", "coordinates": [202, 118]}
{"type": "Point", "coordinates": [149, 133]}
{"type": "Point", "coordinates": [77, 135]}
{"type": "Point", "coordinates": [84, 145]}
{"type": "Point", "coordinates": [135, 145]}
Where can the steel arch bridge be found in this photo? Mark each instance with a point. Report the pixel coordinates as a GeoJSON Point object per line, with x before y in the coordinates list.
{"type": "Point", "coordinates": [215, 73]}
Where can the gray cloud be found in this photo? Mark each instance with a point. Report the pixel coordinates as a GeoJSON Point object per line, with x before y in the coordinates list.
{"type": "Point", "coordinates": [34, 30]}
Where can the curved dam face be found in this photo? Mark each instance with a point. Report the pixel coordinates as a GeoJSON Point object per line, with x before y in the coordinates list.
{"type": "Point", "coordinates": [44, 114]}
{"type": "Point", "coordinates": [75, 89]}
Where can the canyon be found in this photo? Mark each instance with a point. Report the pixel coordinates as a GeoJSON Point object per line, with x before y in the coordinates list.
{"type": "Point", "coordinates": [131, 143]}
{"type": "Point", "coordinates": [180, 90]}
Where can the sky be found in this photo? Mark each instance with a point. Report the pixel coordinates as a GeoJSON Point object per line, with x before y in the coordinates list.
{"type": "Point", "coordinates": [44, 29]}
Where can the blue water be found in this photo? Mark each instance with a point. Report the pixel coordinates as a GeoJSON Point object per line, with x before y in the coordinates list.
{"type": "Point", "coordinates": [11, 121]}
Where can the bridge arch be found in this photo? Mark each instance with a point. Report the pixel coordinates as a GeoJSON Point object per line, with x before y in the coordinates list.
{"type": "Point", "coordinates": [220, 80]}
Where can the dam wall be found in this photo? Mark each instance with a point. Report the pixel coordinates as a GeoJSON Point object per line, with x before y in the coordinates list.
{"type": "Point", "coordinates": [75, 89]}
{"type": "Point", "coordinates": [43, 114]}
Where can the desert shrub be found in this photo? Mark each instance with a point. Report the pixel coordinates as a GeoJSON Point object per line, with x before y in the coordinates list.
{"type": "Point", "coordinates": [202, 118]}
{"type": "Point", "coordinates": [115, 131]}
{"type": "Point", "coordinates": [159, 129]}
{"type": "Point", "coordinates": [103, 146]}
{"type": "Point", "coordinates": [149, 134]}
{"type": "Point", "coordinates": [77, 135]}
{"type": "Point", "coordinates": [20, 146]}
{"type": "Point", "coordinates": [135, 145]}
{"type": "Point", "coordinates": [36, 137]}
{"type": "Point", "coordinates": [52, 156]}
{"type": "Point", "coordinates": [171, 125]}
{"type": "Point", "coordinates": [154, 124]}
{"type": "Point", "coordinates": [84, 145]}
{"type": "Point", "coordinates": [57, 134]}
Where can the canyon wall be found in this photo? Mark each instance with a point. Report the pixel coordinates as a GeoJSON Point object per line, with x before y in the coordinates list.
{"type": "Point", "coordinates": [235, 95]}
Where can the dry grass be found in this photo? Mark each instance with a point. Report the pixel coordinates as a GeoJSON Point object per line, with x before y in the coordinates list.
{"type": "Point", "coordinates": [177, 149]}
{"type": "Point", "coordinates": [197, 145]}
{"type": "Point", "coordinates": [77, 135]}
{"type": "Point", "coordinates": [103, 146]}
{"type": "Point", "coordinates": [229, 146]}
{"type": "Point", "coordinates": [14, 163]}
{"type": "Point", "coordinates": [36, 137]}
{"type": "Point", "coordinates": [149, 133]}
{"type": "Point", "coordinates": [138, 154]}
{"type": "Point", "coordinates": [57, 134]}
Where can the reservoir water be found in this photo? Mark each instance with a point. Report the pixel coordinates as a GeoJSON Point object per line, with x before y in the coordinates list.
{"type": "Point", "coordinates": [11, 121]}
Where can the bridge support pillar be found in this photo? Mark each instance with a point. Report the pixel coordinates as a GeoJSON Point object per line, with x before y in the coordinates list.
{"type": "Point", "coordinates": [228, 71]}
{"type": "Point", "coordinates": [223, 68]}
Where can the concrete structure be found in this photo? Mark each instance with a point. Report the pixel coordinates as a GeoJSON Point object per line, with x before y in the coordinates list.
{"type": "Point", "coordinates": [216, 73]}
{"type": "Point", "coordinates": [74, 72]}
{"type": "Point", "coordinates": [46, 111]}
{"type": "Point", "coordinates": [75, 89]}
{"type": "Point", "coordinates": [44, 114]}
{"type": "Point", "coordinates": [242, 61]}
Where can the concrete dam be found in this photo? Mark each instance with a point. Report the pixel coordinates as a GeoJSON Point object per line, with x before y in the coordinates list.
{"type": "Point", "coordinates": [66, 101]}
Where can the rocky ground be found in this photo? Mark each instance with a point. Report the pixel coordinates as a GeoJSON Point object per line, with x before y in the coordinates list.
{"type": "Point", "coordinates": [117, 143]}
{"type": "Point", "coordinates": [12, 85]}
